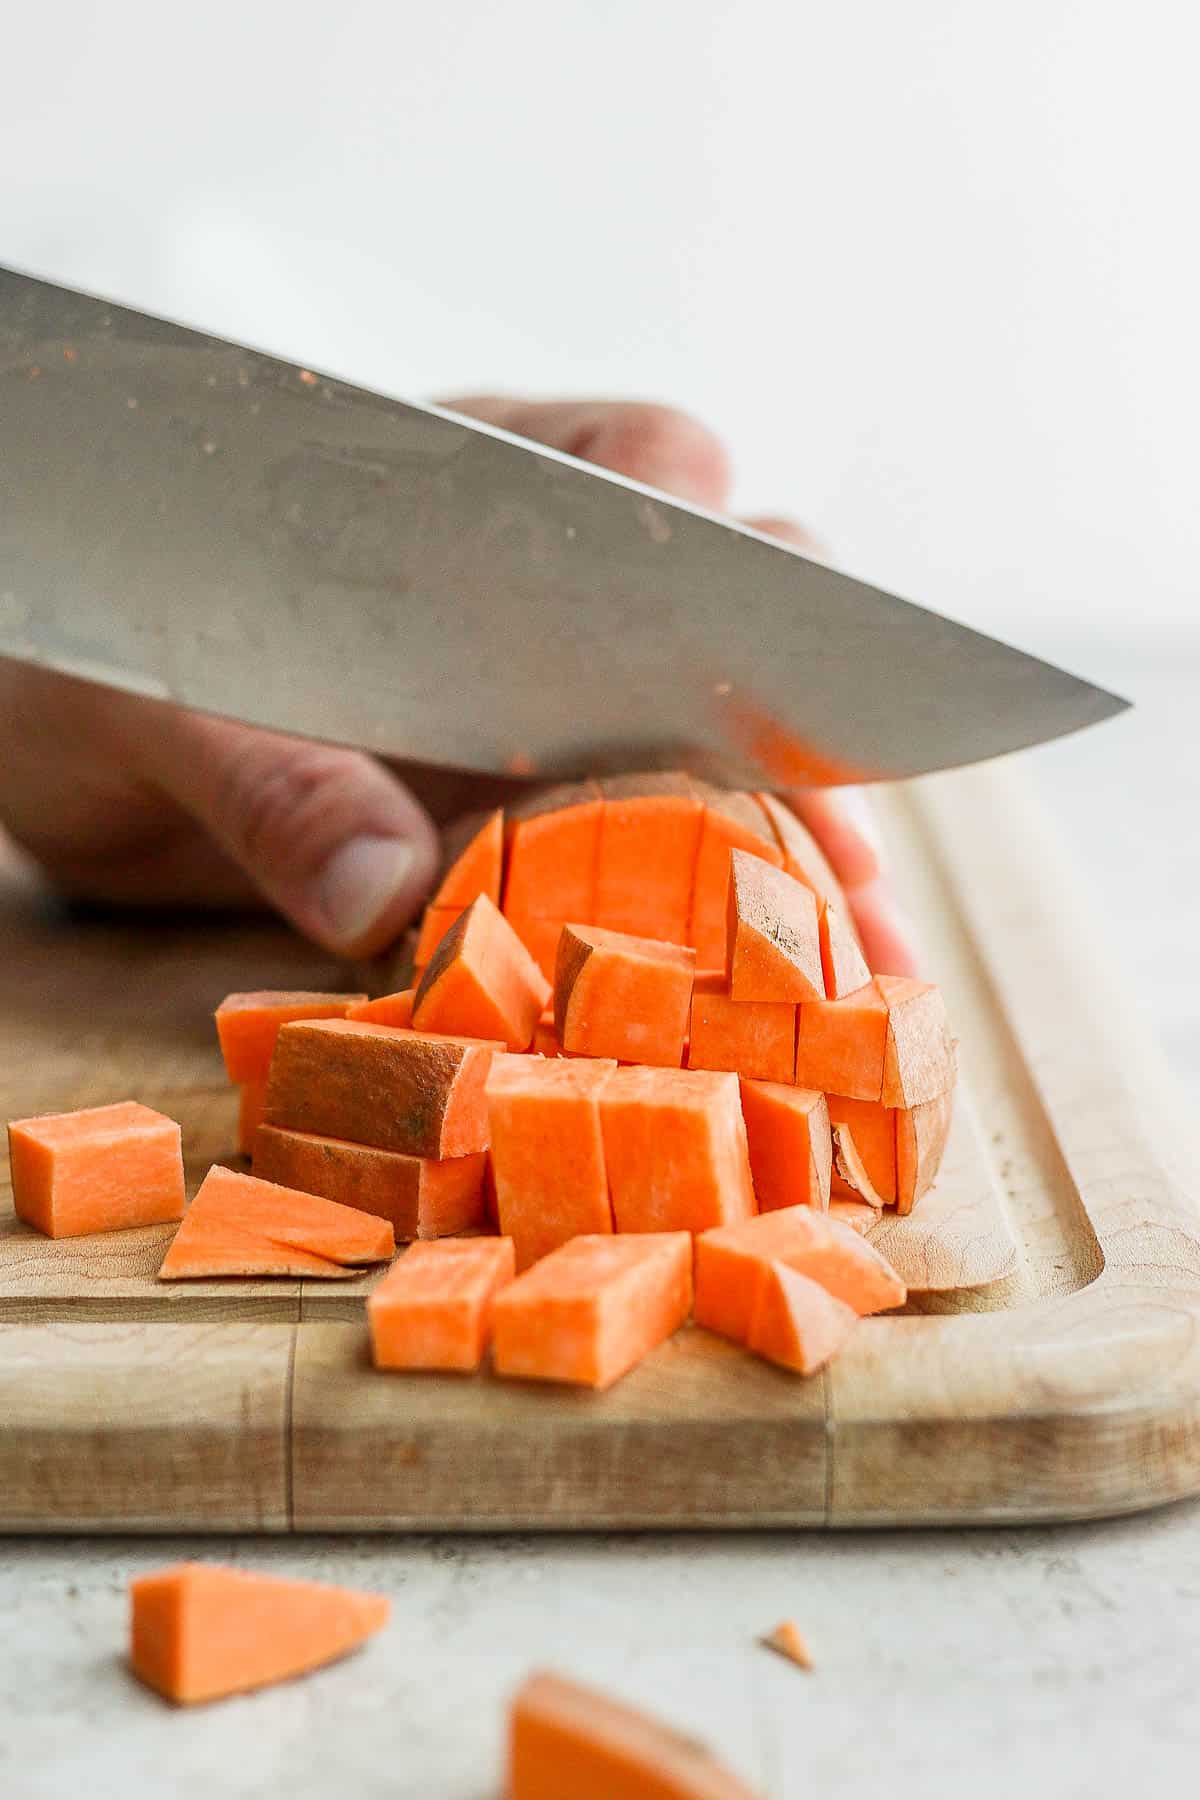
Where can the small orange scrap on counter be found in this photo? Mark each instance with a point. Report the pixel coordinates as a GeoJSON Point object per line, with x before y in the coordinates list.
{"type": "Point", "coordinates": [103, 1168]}
{"type": "Point", "coordinates": [249, 1024]}
{"type": "Point", "coordinates": [421, 1196]}
{"type": "Point", "coordinates": [786, 1641]}
{"type": "Point", "coordinates": [482, 981]}
{"type": "Point", "coordinates": [568, 1742]}
{"type": "Point", "coordinates": [547, 1151]}
{"type": "Point", "coordinates": [240, 1224]}
{"type": "Point", "coordinates": [433, 1309]}
{"type": "Point", "coordinates": [200, 1632]}
{"type": "Point", "coordinates": [621, 996]}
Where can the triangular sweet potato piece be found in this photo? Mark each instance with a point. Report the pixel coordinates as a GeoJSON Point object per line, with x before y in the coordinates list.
{"type": "Point", "coordinates": [481, 980]}
{"type": "Point", "coordinates": [287, 1216]}
{"type": "Point", "coordinates": [199, 1631]}
{"type": "Point", "coordinates": [773, 940]}
{"type": "Point", "coordinates": [210, 1251]}
{"type": "Point", "coordinates": [796, 1322]}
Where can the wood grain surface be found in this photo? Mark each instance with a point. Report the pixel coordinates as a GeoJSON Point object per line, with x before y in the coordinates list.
{"type": "Point", "coordinates": [1048, 1365]}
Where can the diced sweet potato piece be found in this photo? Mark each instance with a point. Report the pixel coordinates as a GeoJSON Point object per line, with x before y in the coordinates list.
{"type": "Point", "coordinates": [649, 839]}
{"type": "Point", "coordinates": [252, 1106]}
{"type": "Point", "coordinates": [475, 867]}
{"type": "Point", "coordinates": [199, 1631]}
{"type": "Point", "coordinates": [545, 1037]}
{"type": "Point", "coordinates": [436, 921]}
{"type": "Point", "coordinates": [547, 1152]}
{"type": "Point", "coordinates": [842, 962]}
{"type": "Point", "coordinates": [675, 1148]}
{"type": "Point", "coordinates": [840, 1044]}
{"type": "Point", "coordinates": [918, 1062]}
{"type": "Point", "coordinates": [570, 1743]}
{"type": "Point", "coordinates": [593, 1308]}
{"type": "Point", "coordinates": [248, 1025]}
{"type": "Point", "coordinates": [411, 1091]}
{"type": "Point", "coordinates": [732, 821]}
{"type": "Point", "coordinates": [921, 1135]}
{"type": "Point", "coordinates": [872, 1126]}
{"type": "Point", "coordinates": [389, 1009]}
{"type": "Point", "coordinates": [285, 1215]}
{"type": "Point", "coordinates": [104, 1168]}
{"type": "Point", "coordinates": [787, 1641]}
{"type": "Point", "coordinates": [553, 844]}
{"type": "Point", "coordinates": [803, 857]}
{"type": "Point", "coordinates": [620, 996]}
{"type": "Point", "coordinates": [756, 1038]}
{"type": "Point", "coordinates": [729, 1261]}
{"type": "Point", "coordinates": [433, 1309]}
{"type": "Point", "coordinates": [773, 939]}
{"type": "Point", "coordinates": [796, 1322]}
{"type": "Point", "coordinates": [420, 1196]}
{"type": "Point", "coordinates": [858, 1214]}
{"type": "Point", "coordinates": [790, 1147]}
{"type": "Point", "coordinates": [482, 981]}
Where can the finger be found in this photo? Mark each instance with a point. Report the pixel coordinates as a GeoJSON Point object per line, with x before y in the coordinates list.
{"type": "Point", "coordinates": [790, 533]}
{"type": "Point", "coordinates": [329, 836]}
{"type": "Point", "coordinates": [843, 824]}
{"type": "Point", "coordinates": [888, 939]}
{"type": "Point", "coordinates": [656, 444]}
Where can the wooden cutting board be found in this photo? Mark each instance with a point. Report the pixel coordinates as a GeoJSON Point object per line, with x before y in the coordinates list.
{"type": "Point", "coordinates": [1048, 1365]}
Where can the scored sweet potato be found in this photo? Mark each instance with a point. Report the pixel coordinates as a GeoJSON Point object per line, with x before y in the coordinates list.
{"type": "Point", "coordinates": [803, 857]}
{"type": "Point", "coordinates": [420, 1196]}
{"type": "Point", "coordinates": [547, 1151]}
{"type": "Point", "coordinates": [412, 1091]}
{"type": "Point", "coordinates": [675, 1149]}
{"type": "Point", "coordinates": [756, 1038]}
{"type": "Point", "coordinates": [553, 844]}
{"type": "Point", "coordinates": [787, 1129]}
{"type": "Point", "coordinates": [482, 981]}
{"type": "Point", "coordinates": [103, 1168]}
{"type": "Point", "coordinates": [921, 1135]}
{"type": "Point", "coordinates": [475, 858]}
{"type": "Point", "coordinates": [773, 938]}
{"type": "Point", "coordinates": [621, 996]}
{"type": "Point", "coordinates": [433, 1309]}
{"type": "Point", "coordinates": [435, 923]}
{"type": "Point", "coordinates": [593, 1308]}
{"type": "Point", "coordinates": [732, 821]}
{"type": "Point", "coordinates": [249, 1024]}
{"type": "Point", "coordinates": [796, 1322]}
{"type": "Point", "coordinates": [649, 840]}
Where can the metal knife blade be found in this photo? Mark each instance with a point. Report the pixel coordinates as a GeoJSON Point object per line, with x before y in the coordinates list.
{"type": "Point", "coordinates": [186, 518]}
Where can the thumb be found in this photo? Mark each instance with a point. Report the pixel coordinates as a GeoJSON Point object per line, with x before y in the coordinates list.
{"type": "Point", "coordinates": [328, 835]}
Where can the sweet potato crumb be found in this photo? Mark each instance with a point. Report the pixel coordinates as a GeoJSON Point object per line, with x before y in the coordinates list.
{"type": "Point", "coordinates": [786, 1641]}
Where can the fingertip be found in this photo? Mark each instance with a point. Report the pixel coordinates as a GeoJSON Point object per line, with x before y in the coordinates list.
{"type": "Point", "coordinates": [662, 447]}
{"type": "Point", "coordinates": [887, 934]}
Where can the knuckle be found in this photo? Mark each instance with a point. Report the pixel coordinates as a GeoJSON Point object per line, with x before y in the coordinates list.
{"type": "Point", "coordinates": [288, 809]}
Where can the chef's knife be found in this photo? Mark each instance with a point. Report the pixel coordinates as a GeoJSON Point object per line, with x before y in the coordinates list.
{"type": "Point", "coordinates": [186, 518]}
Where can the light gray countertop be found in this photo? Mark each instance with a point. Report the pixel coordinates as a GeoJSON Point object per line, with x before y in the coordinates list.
{"type": "Point", "coordinates": [1061, 1663]}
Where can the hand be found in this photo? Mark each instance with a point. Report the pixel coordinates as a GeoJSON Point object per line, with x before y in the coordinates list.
{"type": "Point", "coordinates": [139, 803]}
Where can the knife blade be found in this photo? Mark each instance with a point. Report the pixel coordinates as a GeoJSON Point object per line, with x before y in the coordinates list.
{"type": "Point", "coordinates": [190, 519]}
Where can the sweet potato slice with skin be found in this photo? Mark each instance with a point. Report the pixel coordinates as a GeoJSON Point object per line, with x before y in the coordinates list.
{"type": "Point", "coordinates": [388, 1009]}
{"type": "Point", "coordinates": [412, 1091]}
{"type": "Point", "coordinates": [249, 1024]}
{"type": "Point", "coordinates": [482, 981]}
{"type": "Point", "coordinates": [842, 962]}
{"type": "Point", "coordinates": [732, 821]}
{"type": "Point", "coordinates": [796, 1322]}
{"type": "Point", "coordinates": [756, 1038]}
{"type": "Point", "coordinates": [623, 997]}
{"type": "Point", "coordinates": [252, 1106]}
{"type": "Point", "coordinates": [920, 1142]}
{"type": "Point", "coordinates": [199, 1631]}
{"type": "Point", "coordinates": [475, 868]}
{"type": "Point", "coordinates": [593, 1308]}
{"type": "Point", "coordinates": [420, 1196]}
{"type": "Point", "coordinates": [870, 1154]}
{"type": "Point", "coordinates": [289, 1216]}
{"type": "Point", "coordinates": [729, 1261]}
{"type": "Point", "coordinates": [553, 846]}
{"type": "Point", "coordinates": [841, 1044]}
{"type": "Point", "coordinates": [773, 938]}
{"type": "Point", "coordinates": [547, 1151]}
{"type": "Point", "coordinates": [649, 841]}
{"type": "Point", "coordinates": [103, 1168]}
{"type": "Point", "coordinates": [857, 1214]}
{"type": "Point", "coordinates": [790, 1146]}
{"type": "Point", "coordinates": [571, 1743]}
{"type": "Point", "coordinates": [675, 1149]}
{"type": "Point", "coordinates": [433, 1309]}
{"type": "Point", "coordinates": [435, 923]}
{"type": "Point", "coordinates": [918, 1063]}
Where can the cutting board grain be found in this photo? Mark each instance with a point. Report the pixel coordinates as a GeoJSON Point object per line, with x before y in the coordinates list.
{"type": "Point", "coordinates": [1048, 1365]}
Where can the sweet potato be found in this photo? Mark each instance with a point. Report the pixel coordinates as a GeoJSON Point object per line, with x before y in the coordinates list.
{"type": "Point", "coordinates": [553, 843]}
{"type": "Point", "coordinates": [796, 1322]}
{"type": "Point", "coordinates": [773, 939]}
{"type": "Point", "coordinates": [787, 1129]}
{"type": "Point", "coordinates": [389, 1009]}
{"type": "Point", "coordinates": [213, 1249]}
{"type": "Point", "coordinates": [482, 981]}
{"type": "Point", "coordinates": [840, 1044]}
{"type": "Point", "coordinates": [433, 1309]}
{"type": "Point", "coordinates": [199, 1632]}
{"type": "Point", "coordinates": [756, 1038]}
{"type": "Point", "coordinates": [872, 1126]}
{"type": "Point", "coordinates": [287, 1216]}
{"type": "Point", "coordinates": [675, 1149]}
{"type": "Point", "coordinates": [649, 840]}
{"type": "Point", "coordinates": [436, 921]}
{"type": "Point", "coordinates": [621, 996]}
{"type": "Point", "coordinates": [593, 1308]}
{"type": "Point", "coordinates": [420, 1196]}
{"type": "Point", "coordinates": [842, 962]}
{"type": "Point", "coordinates": [918, 1062]}
{"type": "Point", "coordinates": [547, 1151]}
{"type": "Point", "coordinates": [104, 1168]}
{"type": "Point", "coordinates": [248, 1025]}
{"type": "Point", "coordinates": [475, 859]}
{"type": "Point", "coordinates": [732, 821]}
{"type": "Point", "coordinates": [921, 1135]}
{"type": "Point", "coordinates": [252, 1107]}
{"type": "Point", "coordinates": [730, 1260]}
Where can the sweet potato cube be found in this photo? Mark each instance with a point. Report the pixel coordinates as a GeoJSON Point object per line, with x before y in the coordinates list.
{"type": "Point", "coordinates": [675, 1148]}
{"type": "Point", "coordinates": [411, 1091]}
{"type": "Point", "coordinates": [104, 1168]}
{"type": "Point", "coordinates": [841, 1044]}
{"type": "Point", "coordinates": [790, 1147]}
{"type": "Point", "coordinates": [553, 842]}
{"type": "Point", "coordinates": [389, 1009]}
{"type": "Point", "coordinates": [872, 1128]}
{"type": "Point", "coordinates": [593, 1308]}
{"type": "Point", "coordinates": [621, 996]}
{"type": "Point", "coordinates": [420, 1196]}
{"type": "Point", "coordinates": [482, 981]}
{"type": "Point", "coordinates": [842, 962]}
{"type": "Point", "coordinates": [756, 1038]}
{"type": "Point", "coordinates": [649, 838]}
{"type": "Point", "coordinates": [918, 1062]}
{"type": "Point", "coordinates": [921, 1134]}
{"type": "Point", "coordinates": [773, 938]}
{"type": "Point", "coordinates": [252, 1107]}
{"type": "Point", "coordinates": [547, 1151]}
{"type": "Point", "coordinates": [433, 1309]}
{"type": "Point", "coordinates": [795, 1322]}
{"type": "Point", "coordinates": [248, 1025]}
{"type": "Point", "coordinates": [732, 821]}
{"type": "Point", "coordinates": [730, 1259]}
{"type": "Point", "coordinates": [475, 859]}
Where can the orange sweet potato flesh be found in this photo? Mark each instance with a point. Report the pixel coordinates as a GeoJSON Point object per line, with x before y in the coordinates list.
{"type": "Point", "coordinates": [920, 1142]}
{"type": "Point", "coordinates": [389, 1009]}
{"type": "Point", "coordinates": [649, 842]}
{"type": "Point", "coordinates": [803, 857]}
{"type": "Point", "coordinates": [872, 1126]}
{"type": "Point", "coordinates": [593, 1308]}
{"type": "Point", "coordinates": [215, 1248]}
{"type": "Point", "coordinates": [675, 1149]}
{"type": "Point", "coordinates": [199, 1631]}
{"type": "Point", "coordinates": [104, 1168]}
{"type": "Point", "coordinates": [790, 1146]}
{"type": "Point", "coordinates": [547, 1151]}
{"type": "Point", "coordinates": [476, 869]}
{"type": "Point", "coordinates": [732, 821]}
{"type": "Point", "coordinates": [252, 1107]}
{"type": "Point", "coordinates": [482, 981]}
{"type": "Point", "coordinates": [435, 923]}
{"type": "Point", "coordinates": [919, 1061]}
{"type": "Point", "coordinates": [545, 1037]}
{"type": "Point", "coordinates": [249, 1024]}
{"type": "Point", "coordinates": [540, 937]}
{"type": "Point", "coordinates": [859, 1215]}
{"type": "Point", "coordinates": [420, 1196]}
{"type": "Point", "coordinates": [433, 1310]}
{"type": "Point", "coordinates": [841, 1044]}
{"type": "Point", "coordinates": [570, 1743]}
{"type": "Point", "coordinates": [621, 996]}
{"type": "Point", "coordinates": [795, 1322]}
{"type": "Point", "coordinates": [729, 1262]}
{"type": "Point", "coordinates": [553, 845]}
{"type": "Point", "coordinates": [289, 1217]}
{"type": "Point", "coordinates": [773, 937]}
{"type": "Point", "coordinates": [842, 962]}
{"type": "Point", "coordinates": [412, 1091]}
{"type": "Point", "coordinates": [756, 1038]}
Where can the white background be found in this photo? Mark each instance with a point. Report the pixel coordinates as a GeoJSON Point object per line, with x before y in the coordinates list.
{"type": "Point", "coordinates": [930, 267]}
